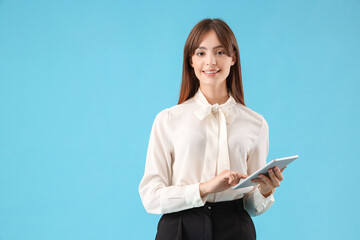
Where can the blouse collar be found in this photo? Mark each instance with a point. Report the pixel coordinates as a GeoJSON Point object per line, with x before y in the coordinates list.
{"type": "Point", "coordinates": [228, 108]}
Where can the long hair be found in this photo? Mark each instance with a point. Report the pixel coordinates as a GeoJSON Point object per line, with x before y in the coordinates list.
{"type": "Point", "coordinates": [190, 84]}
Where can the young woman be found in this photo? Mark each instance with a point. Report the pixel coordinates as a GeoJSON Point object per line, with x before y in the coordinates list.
{"type": "Point", "coordinates": [204, 145]}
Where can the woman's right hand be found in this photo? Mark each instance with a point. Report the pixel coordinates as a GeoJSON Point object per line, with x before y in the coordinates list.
{"type": "Point", "coordinates": [221, 182]}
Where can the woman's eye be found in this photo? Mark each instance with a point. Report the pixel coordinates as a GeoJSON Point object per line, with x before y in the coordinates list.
{"type": "Point", "coordinates": [221, 52]}
{"type": "Point", "coordinates": [199, 53]}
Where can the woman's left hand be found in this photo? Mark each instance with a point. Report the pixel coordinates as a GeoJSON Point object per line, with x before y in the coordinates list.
{"type": "Point", "coordinates": [268, 184]}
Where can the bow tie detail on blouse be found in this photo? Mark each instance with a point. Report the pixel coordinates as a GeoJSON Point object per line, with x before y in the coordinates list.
{"type": "Point", "coordinates": [227, 111]}
{"type": "Point", "coordinates": [216, 118]}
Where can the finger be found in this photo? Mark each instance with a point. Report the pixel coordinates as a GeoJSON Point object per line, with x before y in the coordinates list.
{"type": "Point", "coordinates": [266, 180]}
{"type": "Point", "coordinates": [278, 174]}
{"type": "Point", "coordinates": [257, 180]}
{"type": "Point", "coordinates": [283, 168]}
{"type": "Point", "coordinates": [236, 178]}
{"type": "Point", "coordinates": [274, 180]}
{"type": "Point", "coordinates": [231, 178]}
{"type": "Point", "coordinates": [241, 175]}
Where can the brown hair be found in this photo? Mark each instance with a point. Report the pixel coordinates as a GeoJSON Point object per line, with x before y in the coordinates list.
{"type": "Point", "coordinates": [190, 84]}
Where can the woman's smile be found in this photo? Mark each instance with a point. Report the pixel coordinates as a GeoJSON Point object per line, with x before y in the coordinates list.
{"type": "Point", "coordinates": [211, 73]}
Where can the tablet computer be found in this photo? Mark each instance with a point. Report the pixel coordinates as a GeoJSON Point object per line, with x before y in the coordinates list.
{"type": "Point", "coordinates": [280, 163]}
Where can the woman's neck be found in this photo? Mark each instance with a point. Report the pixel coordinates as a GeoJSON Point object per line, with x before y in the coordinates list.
{"type": "Point", "coordinates": [215, 94]}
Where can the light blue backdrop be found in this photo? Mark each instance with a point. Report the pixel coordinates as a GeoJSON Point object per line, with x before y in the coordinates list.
{"type": "Point", "coordinates": [81, 83]}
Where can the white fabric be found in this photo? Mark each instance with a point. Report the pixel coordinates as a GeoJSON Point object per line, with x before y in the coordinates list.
{"type": "Point", "coordinates": [193, 142]}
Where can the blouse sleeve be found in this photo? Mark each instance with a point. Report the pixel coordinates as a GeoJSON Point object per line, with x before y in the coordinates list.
{"type": "Point", "coordinates": [255, 203]}
{"type": "Point", "coordinates": [157, 194]}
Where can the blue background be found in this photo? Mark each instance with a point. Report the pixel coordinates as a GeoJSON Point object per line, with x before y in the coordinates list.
{"type": "Point", "coordinates": [81, 83]}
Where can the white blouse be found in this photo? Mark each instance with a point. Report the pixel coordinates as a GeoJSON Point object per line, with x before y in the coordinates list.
{"type": "Point", "coordinates": [193, 142]}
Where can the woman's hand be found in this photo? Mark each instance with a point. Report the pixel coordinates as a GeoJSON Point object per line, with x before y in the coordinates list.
{"type": "Point", "coordinates": [268, 184]}
{"type": "Point", "coordinates": [221, 182]}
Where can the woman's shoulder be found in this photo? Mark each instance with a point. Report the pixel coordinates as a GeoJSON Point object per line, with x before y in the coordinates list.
{"type": "Point", "coordinates": [179, 109]}
{"type": "Point", "coordinates": [182, 108]}
{"type": "Point", "coordinates": [249, 114]}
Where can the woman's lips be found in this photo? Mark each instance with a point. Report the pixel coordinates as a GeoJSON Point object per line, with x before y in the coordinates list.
{"type": "Point", "coordinates": [211, 73]}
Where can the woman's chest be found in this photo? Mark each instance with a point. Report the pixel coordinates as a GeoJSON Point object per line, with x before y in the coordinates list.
{"type": "Point", "coordinates": [192, 137]}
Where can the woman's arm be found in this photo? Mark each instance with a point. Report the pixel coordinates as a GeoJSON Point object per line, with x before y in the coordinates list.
{"type": "Point", "coordinates": [257, 202]}
{"type": "Point", "coordinates": [157, 193]}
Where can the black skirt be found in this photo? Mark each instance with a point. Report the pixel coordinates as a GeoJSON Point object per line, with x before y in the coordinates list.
{"type": "Point", "coordinates": [214, 221]}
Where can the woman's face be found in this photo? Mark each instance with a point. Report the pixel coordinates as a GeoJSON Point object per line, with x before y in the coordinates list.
{"type": "Point", "coordinates": [211, 64]}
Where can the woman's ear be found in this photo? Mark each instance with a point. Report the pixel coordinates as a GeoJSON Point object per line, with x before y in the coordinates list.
{"type": "Point", "coordinates": [191, 62]}
{"type": "Point", "coordinates": [233, 60]}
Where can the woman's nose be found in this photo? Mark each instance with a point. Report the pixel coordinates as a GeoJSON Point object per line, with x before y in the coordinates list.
{"type": "Point", "coordinates": [211, 59]}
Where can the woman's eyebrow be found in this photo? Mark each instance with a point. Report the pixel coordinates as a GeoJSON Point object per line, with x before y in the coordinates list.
{"type": "Point", "coordinates": [219, 46]}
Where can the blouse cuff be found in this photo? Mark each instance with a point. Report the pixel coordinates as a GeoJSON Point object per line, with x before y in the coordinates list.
{"type": "Point", "coordinates": [192, 196]}
{"type": "Point", "coordinates": [262, 203]}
